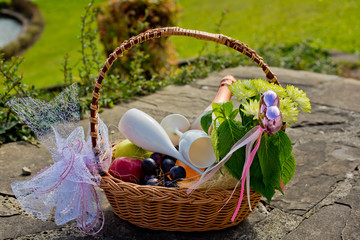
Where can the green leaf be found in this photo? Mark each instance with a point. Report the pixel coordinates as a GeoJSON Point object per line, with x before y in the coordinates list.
{"type": "Point", "coordinates": [228, 108]}
{"type": "Point", "coordinates": [273, 160]}
{"type": "Point", "coordinates": [268, 154]}
{"type": "Point", "coordinates": [214, 141]}
{"type": "Point", "coordinates": [222, 111]}
{"type": "Point", "coordinates": [12, 137]}
{"type": "Point", "coordinates": [225, 135]}
{"type": "Point", "coordinates": [229, 133]}
{"type": "Point", "coordinates": [223, 114]}
{"type": "Point", "coordinates": [236, 163]}
{"type": "Point", "coordinates": [256, 180]}
{"type": "Point", "coordinates": [6, 127]}
{"type": "Point", "coordinates": [288, 169]}
{"type": "Point", "coordinates": [2, 130]}
{"type": "Point", "coordinates": [234, 114]}
{"type": "Point", "coordinates": [286, 159]}
{"type": "Point", "coordinates": [285, 146]}
{"type": "Point", "coordinates": [206, 121]}
{"type": "Point", "coordinates": [216, 107]}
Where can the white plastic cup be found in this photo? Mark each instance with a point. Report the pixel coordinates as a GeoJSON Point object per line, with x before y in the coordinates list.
{"type": "Point", "coordinates": [195, 146]}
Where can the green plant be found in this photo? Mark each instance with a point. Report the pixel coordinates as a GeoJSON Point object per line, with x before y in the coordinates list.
{"type": "Point", "coordinates": [349, 69]}
{"type": "Point", "coordinates": [272, 165]}
{"type": "Point", "coordinates": [119, 87]}
{"type": "Point", "coordinates": [202, 66]}
{"type": "Point", "coordinates": [5, 3]}
{"type": "Point", "coordinates": [299, 56]}
{"type": "Point", "coordinates": [121, 19]}
{"type": "Point", "coordinates": [11, 128]}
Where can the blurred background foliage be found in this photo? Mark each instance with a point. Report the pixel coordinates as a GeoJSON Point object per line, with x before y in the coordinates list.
{"type": "Point", "coordinates": [119, 20]}
{"type": "Point", "coordinates": [78, 37]}
{"type": "Point", "coordinates": [328, 24]}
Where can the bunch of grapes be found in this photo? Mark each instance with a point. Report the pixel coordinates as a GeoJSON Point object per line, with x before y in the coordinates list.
{"type": "Point", "coordinates": [160, 170]}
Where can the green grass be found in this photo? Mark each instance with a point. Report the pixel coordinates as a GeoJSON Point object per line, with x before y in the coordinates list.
{"type": "Point", "coordinates": [60, 36]}
{"type": "Point", "coordinates": [331, 24]}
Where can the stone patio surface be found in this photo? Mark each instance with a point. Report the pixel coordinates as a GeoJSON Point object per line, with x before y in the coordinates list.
{"type": "Point", "coordinates": [322, 201]}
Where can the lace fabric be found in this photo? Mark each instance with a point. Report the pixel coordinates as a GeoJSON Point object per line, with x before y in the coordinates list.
{"type": "Point", "coordinates": [69, 184]}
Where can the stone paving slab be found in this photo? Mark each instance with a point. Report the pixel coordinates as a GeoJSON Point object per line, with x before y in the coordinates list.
{"type": "Point", "coordinates": [332, 218]}
{"type": "Point", "coordinates": [321, 201]}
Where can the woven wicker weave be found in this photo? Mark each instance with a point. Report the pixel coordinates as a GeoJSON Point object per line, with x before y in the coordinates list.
{"type": "Point", "coordinates": [172, 209]}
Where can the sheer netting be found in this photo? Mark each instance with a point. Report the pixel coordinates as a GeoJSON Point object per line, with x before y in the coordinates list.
{"type": "Point", "coordinates": [69, 184]}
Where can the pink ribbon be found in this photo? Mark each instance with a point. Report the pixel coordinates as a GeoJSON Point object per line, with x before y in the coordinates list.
{"type": "Point", "coordinates": [246, 174]}
{"type": "Point", "coordinates": [82, 221]}
{"type": "Point", "coordinates": [248, 139]}
{"type": "Point", "coordinates": [69, 166]}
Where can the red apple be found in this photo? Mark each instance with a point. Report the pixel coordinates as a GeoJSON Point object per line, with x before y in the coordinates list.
{"type": "Point", "coordinates": [127, 169]}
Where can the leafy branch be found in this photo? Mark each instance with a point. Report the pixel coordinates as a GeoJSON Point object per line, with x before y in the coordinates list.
{"type": "Point", "coordinates": [11, 127]}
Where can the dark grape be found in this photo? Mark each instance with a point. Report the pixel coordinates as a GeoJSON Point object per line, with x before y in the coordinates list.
{"type": "Point", "coordinates": [167, 164]}
{"type": "Point", "coordinates": [177, 173]}
{"type": "Point", "coordinates": [153, 182]}
{"type": "Point", "coordinates": [165, 178]}
{"type": "Point", "coordinates": [158, 157]}
{"type": "Point", "coordinates": [171, 184]}
{"type": "Point", "coordinates": [149, 166]}
{"type": "Point", "coordinates": [148, 177]}
{"type": "Point", "coordinates": [169, 157]}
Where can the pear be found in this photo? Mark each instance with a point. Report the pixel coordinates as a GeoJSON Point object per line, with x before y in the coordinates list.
{"type": "Point", "coordinates": [127, 149]}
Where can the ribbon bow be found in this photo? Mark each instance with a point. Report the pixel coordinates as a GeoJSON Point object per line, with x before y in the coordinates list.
{"type": "Point", "coordinates": [69, 184]}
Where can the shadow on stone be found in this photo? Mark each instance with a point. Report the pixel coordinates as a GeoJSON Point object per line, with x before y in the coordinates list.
{"type": "Point", "coordinates": [115, 227]}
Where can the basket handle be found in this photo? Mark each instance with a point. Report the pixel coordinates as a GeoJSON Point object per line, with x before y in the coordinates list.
{"type": "Point", "coordinates": [164, 32]}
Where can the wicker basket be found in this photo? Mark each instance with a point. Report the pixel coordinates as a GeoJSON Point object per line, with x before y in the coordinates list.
{"type": "Point", "coordinates": [172, 209]}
